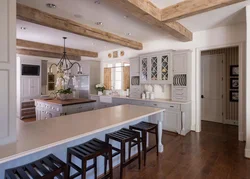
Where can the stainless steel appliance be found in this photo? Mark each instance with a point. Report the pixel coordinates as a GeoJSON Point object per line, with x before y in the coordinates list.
{"type": "Point", "coordinates": [80, 84]}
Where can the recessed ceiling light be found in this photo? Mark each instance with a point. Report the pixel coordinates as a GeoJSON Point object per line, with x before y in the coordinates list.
{"type": "Point", "coordinates": [50, 5]}
{"type": "Point", "coordinates": [128, 34]}
{"type": "Point", "coordinates": [23, 28]}
{"type": "Point", "coordinates": [125, 17]}
{"type": "Point", "coordinates": [98, 23]}
{"type": "Point", "coordinates": [78, 15]}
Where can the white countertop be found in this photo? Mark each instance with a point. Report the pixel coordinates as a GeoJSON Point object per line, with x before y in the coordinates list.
{"type": "Point", "coordinates": [152, 100]}
{"type": "Point", "coordinates": [36, 136]}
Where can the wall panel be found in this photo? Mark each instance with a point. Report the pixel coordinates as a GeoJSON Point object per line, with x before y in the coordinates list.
{"type": "Point", "coordinates": [8, 71]}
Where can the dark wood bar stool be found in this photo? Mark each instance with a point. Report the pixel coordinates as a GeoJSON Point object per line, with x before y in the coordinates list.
{"type": "Point", "coordinates": [48, 167]}
{"type": "Point", "coordinates": [122, 136]}
{"type": "Point", "coordinates": [144, 128]}
{"type": "Point", "coordinates": [88, 151]}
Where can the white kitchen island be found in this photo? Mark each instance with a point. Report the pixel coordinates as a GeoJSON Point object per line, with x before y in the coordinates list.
{"type": "Point", "coordinates": [37, 139]}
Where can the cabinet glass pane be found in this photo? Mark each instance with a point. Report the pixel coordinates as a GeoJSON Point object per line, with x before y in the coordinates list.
{"type": "Point", "coordinates": [164, 67]}
{"type": "Point", "coordinates": [144, 69]}
{"type": "Point", "coordinates": [154, 68]}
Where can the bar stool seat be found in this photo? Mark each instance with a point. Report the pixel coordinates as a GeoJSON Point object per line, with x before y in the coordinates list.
{"type": "Point", "coordinates": [88, 151]}
{"type": "Point", "coordinates": [44, 168]}
{"type": "Point", "coordinates": [122, 136]}
{"type": "Point", "coordinates": [144, 128]}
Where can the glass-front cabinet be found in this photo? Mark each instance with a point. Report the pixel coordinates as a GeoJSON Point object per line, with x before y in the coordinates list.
{"type": "Point", "coordinates": [156, 68]}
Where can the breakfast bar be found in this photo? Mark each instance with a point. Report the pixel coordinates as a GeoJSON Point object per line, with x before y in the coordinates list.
{"type": "Point", "coordinates": [40, 138]}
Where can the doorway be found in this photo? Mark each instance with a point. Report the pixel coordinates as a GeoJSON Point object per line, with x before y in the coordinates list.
{"type": "Point", "coordinates": [220, 85]}
{"type": "Point", "coordinates": [212, 88]}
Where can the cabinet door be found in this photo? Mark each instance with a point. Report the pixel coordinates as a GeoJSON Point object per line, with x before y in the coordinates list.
{"type": "Point", "coordinates": [172, 121]}
{"type": "Point", "coordinates": [25, 87]}
{"type": "Point", "coordinates": [134, 67]}
{"type": "Point", "coordinates": [144, 69]}
{"type": "Point", "coordinates": [154, 68]}
{"type": "Point", "coordinates": [35, 87]}
{"type": "Point", "coordinates": [165, 68]}
{"type": "Point", "coordinates": [180, 61]}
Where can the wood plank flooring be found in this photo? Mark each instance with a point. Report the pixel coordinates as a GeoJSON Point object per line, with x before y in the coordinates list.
{"type": "Point", "coordinates": [215, 153]}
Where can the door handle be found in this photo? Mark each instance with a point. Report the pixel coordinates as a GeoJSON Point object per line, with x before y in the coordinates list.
{"type": "Point", "coordinates": [202, 96]}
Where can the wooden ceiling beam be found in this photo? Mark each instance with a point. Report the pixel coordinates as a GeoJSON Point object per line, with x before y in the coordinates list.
{"type": "Point", "coordinates": [42, 18]}
{"type": "Point", "coordinates": [38, 53]}
{"type": "Point", "coordinates": [192, 7]}
{"type": "Point", "coordinates": [54, 48]}
{"type": "Point", "coordinates": [149, 13]}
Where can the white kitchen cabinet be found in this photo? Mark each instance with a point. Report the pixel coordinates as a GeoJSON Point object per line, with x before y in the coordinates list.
{"type": "Point", "coordinates": [180, 62]}
{"type": "Point", "coordinates": [177, 115]}
{"type": "Point", "coordinates": [172, 121]}
{"type": "Point", "coordinates": [134, 66]}
{"type": "Point", "coordinates": [156, 68]}
{"type": "Point", "coordinates": [181, 89]}
{"type": "Point", "coordinates": [48, 110]}
{"type": "Point", "coordinates": [30, 87]}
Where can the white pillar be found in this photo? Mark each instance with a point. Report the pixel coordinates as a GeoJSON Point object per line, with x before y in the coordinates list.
{"type": "Point", "coordinates": [247, 149]}
{"type": "Point", "coordinates": [7, 71]}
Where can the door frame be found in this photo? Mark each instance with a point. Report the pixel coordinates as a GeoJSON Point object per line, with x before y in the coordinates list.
{"type": "Point", "coordinates": [223, 87]}
{"type": "Point", "coordinates": [242, 110]}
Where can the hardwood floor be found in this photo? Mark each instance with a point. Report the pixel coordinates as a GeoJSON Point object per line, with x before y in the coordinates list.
{"type": "Point", "coordinates": [214, 153]}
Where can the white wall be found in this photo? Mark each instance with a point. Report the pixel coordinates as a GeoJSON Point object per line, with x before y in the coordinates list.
{"type": "Point", "coordinates": [247, 149]}
{"type": "Point", "coordinates": [209, 39]}
{"type": "Point", "coordinates": [7, 71]}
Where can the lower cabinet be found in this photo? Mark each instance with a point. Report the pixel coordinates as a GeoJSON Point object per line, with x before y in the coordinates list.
{"type": "Point", "coordinates": [177, 115]}
{"type": "Point", "coordinates": [172, 121]}
{"type": "Point", "coordinates": [46, 110]}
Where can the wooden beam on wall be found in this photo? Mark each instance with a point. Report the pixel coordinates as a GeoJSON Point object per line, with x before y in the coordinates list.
{"type": "Point", "coordinates": [42, 18]}
{"type": "Point", "coordinates": [38, 53]}
{"type": "Point", "coordinates": [147, 12]}
{"type": "Point", "coordinates": [192, 7]}
{"type": "Point", "coordinates": [54, 48]}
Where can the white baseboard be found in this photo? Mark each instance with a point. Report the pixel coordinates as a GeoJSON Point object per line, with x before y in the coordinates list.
{"type": "Point", "coordinates": [231, 122]}
{"type": "Point", "coordinates": [247, 153]}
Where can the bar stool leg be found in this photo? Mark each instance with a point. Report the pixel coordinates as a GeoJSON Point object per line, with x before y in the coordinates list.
{"type": "Point", "coordinates": [95, 167]}
{"type": "Point", "coordinates": [129, 146]}
{"type": "Point", "coordinates": [144, 146]}
{"type": "Point", "coordinates": [129, 150]}
{"type": "Point", "coordinates": [68, 167]}
{"type": "Point", "coordinates": [122, 160]}
{"type": "Point", "coordinates": [84, 168]}
{"type": "Point", "coordinates": [157, 139]}
{"type": "Point", "coordinates": [110, 163]}
{"type": "Point", "coordinates": [106, 157]}
{"type": "Point", "coordinates": [139, 151]}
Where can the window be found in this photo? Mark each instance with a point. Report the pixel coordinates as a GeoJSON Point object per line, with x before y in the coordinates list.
{"type": "Point", "coordinates": [116, 74]}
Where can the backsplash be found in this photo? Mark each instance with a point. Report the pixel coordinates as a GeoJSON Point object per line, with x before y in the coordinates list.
{"type": "Point", "coordinates": [158, 91]}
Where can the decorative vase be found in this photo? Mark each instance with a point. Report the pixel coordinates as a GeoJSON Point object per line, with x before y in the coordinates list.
{"type": "Point", "coordinates": [100, 93]}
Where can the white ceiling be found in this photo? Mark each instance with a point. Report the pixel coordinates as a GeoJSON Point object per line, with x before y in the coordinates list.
{"type": "Point", "coordinates": [114, 22]}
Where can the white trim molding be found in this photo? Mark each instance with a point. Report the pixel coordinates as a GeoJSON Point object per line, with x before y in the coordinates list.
{"type": "Point", "coordinates": [241, 89]}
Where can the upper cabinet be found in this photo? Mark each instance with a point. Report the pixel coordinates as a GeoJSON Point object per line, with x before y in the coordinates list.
{"type": "Point", "coordinates": [181, 89]}
{"type": "Point", "coordinates": [180, 62]}
{"type": "Point", "coordinates": [134, 66]}
{"type": "Point", "coordinates": [156, 68]}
